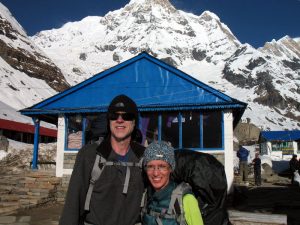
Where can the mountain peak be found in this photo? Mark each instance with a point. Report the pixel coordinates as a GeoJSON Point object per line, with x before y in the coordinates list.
{"type": "Point", "coordinates": [207, 16]}
{"type": "Point", "coordinates": [158, 2]}
{"type": "Point", "coordinates": [6, 17]}
{"type": "Point", "coordinates": [146, 3]}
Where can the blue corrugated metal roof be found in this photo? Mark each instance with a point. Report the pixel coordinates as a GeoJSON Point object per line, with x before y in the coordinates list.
{"type": "Point", "coordinates": [151, 83]}
{"type": "Point", "coordinates": [291, 135]}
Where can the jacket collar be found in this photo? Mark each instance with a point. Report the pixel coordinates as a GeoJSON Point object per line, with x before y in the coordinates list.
{"type": "Point", "coordinates": [104, 149]}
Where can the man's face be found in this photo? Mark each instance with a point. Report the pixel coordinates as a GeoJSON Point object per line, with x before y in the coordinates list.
{"type": "Point", "coordinates": [121, 125]}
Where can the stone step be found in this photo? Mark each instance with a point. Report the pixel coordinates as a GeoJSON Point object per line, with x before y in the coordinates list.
{"type": "Point", "coordinates": [27, 189]}
{"type": "Point", "coordinates": [40, 173]}
{"type": "Point", "coordinates": [10, 203]}
{"type": "Point", "coordinates": [8, 210]}
{"type": "Point", "coordinates": [21, 191]}
{"type": "Point", "coordinates": [4, 187]}
{"type": "Point", "coordinates": [10, 181]}
{"type": "Point", "coordinates": [29, 203]}
{"type": "Point", "coordinates": [9, 198]}
{"type": "Point", "coordinates": [4, 192]}
{"type": "Point", "coordinates": [15, 220]}
{"type": "Point", "coordinates": [35, 194]}
{"type": "Point", "coordinates": [239, 218]}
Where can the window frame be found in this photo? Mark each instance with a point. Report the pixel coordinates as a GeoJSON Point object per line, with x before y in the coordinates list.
{"type": "Point", "coordinates": [83, 127]}
{"type": "Point", "coordinates": [159, 130]}
{"type": "Point", "coordinates": [180, 139]}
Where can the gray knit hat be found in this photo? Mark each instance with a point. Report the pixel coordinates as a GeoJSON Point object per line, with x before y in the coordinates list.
{"type": "Point", "coordinates": [160, 150]}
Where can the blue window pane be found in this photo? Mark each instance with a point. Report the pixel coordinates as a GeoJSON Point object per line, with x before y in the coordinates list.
{"type": "Point", "coordinates": [212, 130]}
{"type": "Point", "coordinates": [190, 130]}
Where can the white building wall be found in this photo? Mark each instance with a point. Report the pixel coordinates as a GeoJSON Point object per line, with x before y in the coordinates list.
{"type": "Point", "coordinates": [228, 149]}
{"type": "Point", "coordinates": [295, 147]}
{"type": "Point", "coordinates": [279, 154]}
{"type": "Point", "coordinates": [60, 146]}
{"type": "Point", "coordinates": [269, 147]}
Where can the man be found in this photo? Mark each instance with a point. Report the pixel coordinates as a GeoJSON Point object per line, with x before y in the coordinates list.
{"type": "Point", "coordinates": [115, 196]}
{"type": "Point", "coordinates": [257, 169]}
{"type": "Point", "coordinates": [242, 154]}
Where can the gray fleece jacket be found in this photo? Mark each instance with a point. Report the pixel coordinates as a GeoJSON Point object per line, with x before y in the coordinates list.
{"type": "Point", "coordinates": [108, 204]}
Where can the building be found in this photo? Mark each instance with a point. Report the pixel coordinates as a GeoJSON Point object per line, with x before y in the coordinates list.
{"type": "Point", "coordinates": [24, 132]}
{"type": "Point", "coordinates": [173, 106]}
{"type": "Point", "coordinates": [282, 144]}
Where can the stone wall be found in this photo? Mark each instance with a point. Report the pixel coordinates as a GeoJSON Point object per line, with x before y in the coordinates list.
{"type": "Point", "coordinates": [220, 157]}
{"type": "Point", "coordinates": [27, 189]}
{"type": "Point", "coordinates": [69, 160]}
{"type": "Point", "coordinates": [63, 188]}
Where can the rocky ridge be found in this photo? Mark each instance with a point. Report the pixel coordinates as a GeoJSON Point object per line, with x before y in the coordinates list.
{"type": "Point", "coordinates": [24, 67]}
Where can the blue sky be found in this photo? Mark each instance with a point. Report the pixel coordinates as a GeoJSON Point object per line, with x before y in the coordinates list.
{"type": "Point", "coordinates": [252, 21]}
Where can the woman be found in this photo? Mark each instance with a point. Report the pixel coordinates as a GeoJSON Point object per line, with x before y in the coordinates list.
{"type": "Point", "coordinates": [167, 203]}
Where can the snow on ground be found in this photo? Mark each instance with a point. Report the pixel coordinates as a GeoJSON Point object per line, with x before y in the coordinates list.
{"type": "Point", "coordinates": [2, 154]}
{"type": "Point", "coordinates": [20, 154]}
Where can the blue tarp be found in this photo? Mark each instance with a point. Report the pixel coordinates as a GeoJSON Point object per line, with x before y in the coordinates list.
{"type": "Point", "coordinates": [291, 135]}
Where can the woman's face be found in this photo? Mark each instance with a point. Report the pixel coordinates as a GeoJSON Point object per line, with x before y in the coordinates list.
{"type": "Point", "coordinates": [158, 172]}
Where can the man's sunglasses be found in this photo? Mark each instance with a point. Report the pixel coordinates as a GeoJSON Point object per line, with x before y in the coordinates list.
{"type": "Point", "coordinates": [124, 116]}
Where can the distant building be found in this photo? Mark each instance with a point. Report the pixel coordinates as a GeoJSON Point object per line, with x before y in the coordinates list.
{"type": "Point", "coordinates": [24, 132]}
{"type": "Point", "coordinates": [172, 105]}
{"type": "Point", "coordinates": [280, 143]}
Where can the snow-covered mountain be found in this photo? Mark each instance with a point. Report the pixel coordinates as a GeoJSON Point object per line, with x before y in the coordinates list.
{"type": "Point", "coordinates": [27, 76]}
{"type": "Point", "coordinates": [97, 43]}
{"type": "Point", "coordinates": [268, 78]}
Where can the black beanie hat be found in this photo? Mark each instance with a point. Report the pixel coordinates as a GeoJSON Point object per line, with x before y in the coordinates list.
{"type": "Point", "coordinates": [123, 103]}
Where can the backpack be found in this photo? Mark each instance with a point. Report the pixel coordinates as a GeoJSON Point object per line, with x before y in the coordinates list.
{"type": "Point", "coordinates": [175, 210]}
{"type": "Point", "coordinates": [98, 167]}
{"type": "Point", "coordinates": [207, 178]}
{"type": "Point", "coordinates": [203, 172]}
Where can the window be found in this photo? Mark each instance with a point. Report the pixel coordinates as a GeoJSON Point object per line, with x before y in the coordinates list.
{"type": "Point", "coordinates": [212, 130]}
{"type": "Point", "coordinates": [149, 127]}
{"type": "Point", "coordinates": [74, 132]}
{"type": "Point", "coordinates": [187, 129]}
{"type": "Point", "coordinates": [190, 129]}
{"type": "Point", "coordinates": [286, 147]}
{"type": "Point", "coordinates": [170, 128]}
{"type": "Point", "coordinates": [263, 148]}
